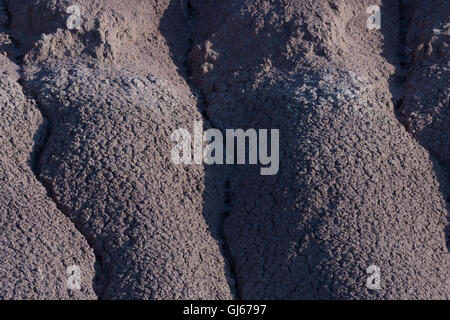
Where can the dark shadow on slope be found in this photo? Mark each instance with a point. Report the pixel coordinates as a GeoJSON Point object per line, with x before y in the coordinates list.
{"type": "Point", "coordinates": [29, 20]}
{"type": "Point", "coordinates": [177, 26]}
{"type": "Point", "coordinates": [396, 15]}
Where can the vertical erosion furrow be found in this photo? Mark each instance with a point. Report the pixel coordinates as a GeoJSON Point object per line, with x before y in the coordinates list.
{"type": "Point", "coordinates": [202, 107]}
{"type": "Point", "coordinates": [39, 148]}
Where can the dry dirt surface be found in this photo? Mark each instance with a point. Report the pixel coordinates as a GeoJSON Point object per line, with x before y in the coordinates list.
{"type": "Point", "coordinates": [87, 179]}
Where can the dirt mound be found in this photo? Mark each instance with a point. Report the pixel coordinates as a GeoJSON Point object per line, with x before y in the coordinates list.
{"type": "Point", "coordinates": [106, 162]}
{"type": "Point", "coordinates": [37, 242]}
{"type": "Point", "coordinates": [354, 189]}
{"type": "Point", "coordinates": [112, 172]}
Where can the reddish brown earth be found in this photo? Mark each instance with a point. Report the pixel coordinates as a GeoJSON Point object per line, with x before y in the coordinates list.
{"type": "Point", "coordinates": [87, 177]}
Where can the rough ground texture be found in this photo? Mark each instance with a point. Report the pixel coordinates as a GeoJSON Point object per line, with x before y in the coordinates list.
{"type": "Point", "coordinates": [113, 173]}
{"type": "Point", "coordinates": [354, 188]}
{"type": "Point", "coordinates": [37, 242]}
{"type": "Point", "coordinates": [425, 110]}
{"type": "Point", "coordinates": [423, 106]}
{"type": "Point", "coordinates": [107, 163]}
{"type": "Point", "coordinates": [86, 171]}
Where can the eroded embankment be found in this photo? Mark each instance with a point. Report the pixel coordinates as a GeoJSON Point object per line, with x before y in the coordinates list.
{"type": "Point", "coordinates": [107, 162]}
{"type": "Point", "coordinates": [354, 189]}
{"type": "Point", "coordinates": [38, 243]}
{"type": "Point", "coordinates": [425, 96]}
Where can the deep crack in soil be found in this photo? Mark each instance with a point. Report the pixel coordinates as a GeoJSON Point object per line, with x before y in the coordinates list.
{"type": "Point", "coordinates": [203, 109]}
{"type": "Point", "coordinates": [404, 61]}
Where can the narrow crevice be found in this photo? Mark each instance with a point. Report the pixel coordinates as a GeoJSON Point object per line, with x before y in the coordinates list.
{"type": "Point", "coordinates": [403, 61]}
{"type": "Point", "coordinates": [201, 104]}
{"type": "Point", "coordinates": [38, 148]}
{"type": "Point", "coordinates": [225, 247]}
{"type": "Point", "coordinates": [203, 109]}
